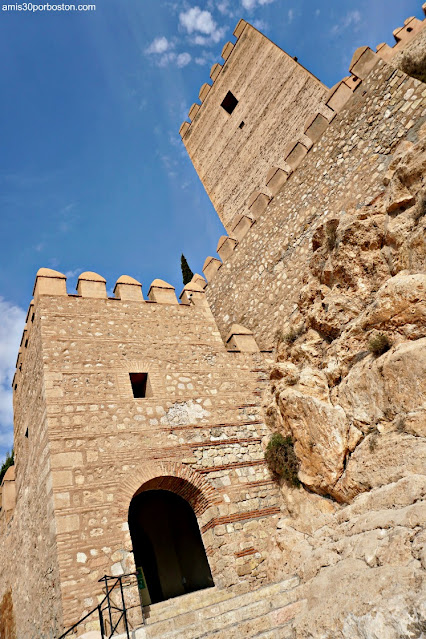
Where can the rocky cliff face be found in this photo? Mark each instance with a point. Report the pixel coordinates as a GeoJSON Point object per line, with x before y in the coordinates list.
{"type": "Point", "coordinates": [349, 385]}
{"type": "Point", "coordinates": [412, 60]}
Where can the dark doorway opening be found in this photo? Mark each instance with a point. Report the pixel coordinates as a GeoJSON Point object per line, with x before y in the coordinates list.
{"type": "Point", "coordinates": [167, 546]}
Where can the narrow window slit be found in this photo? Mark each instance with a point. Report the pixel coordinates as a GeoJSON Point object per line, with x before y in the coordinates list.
{"type": "Point", "coordinates": [229, 103]}
{"type": "Point", "coordinates": [140, 385]}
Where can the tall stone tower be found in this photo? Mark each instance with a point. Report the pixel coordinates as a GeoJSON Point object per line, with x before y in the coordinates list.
{"type": "Point", "coordinates": [257, 104]}
{"type": "Point", "coordinates": [128, 411]}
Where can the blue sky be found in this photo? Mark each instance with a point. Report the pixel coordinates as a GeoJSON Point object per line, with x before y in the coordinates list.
{"type": "Point", "coordinates": [93, 174]}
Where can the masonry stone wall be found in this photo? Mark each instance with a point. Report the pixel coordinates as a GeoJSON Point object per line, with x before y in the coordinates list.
{"type": "Point", "coordinates": [275, 96]}
{"type": "Point", "coordinates": [259, 283]}
{"type": "Point", "coordinates": [199, 434]}
{"type": "Point", "coordinates": [29, 568]}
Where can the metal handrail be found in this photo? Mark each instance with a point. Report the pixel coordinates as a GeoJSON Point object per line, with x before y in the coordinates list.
{"type": "Point", "coordinates": [110, 607]}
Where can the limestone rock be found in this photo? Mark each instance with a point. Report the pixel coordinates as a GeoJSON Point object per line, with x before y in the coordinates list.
{"type": "Point", "coordinates": [399, 302]}
{"type": "Point", "coordinates": [398, 196]}
{"type": "Point", "coordinates": [320, 431]}
{"type": "Point", "coordinates": [385, 388]}
{"type": "Point", "coordinates": [413, 59]}
{"type": "Point", "coordinates": [380, 460]}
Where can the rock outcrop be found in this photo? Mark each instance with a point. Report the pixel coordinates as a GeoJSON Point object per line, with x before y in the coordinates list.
{"type": "Point", "coordinates": [412, 60]}
{"type": "Point", "coordinates": [356, 410]}
{"type": "Point", "coordinates": [349, 386]}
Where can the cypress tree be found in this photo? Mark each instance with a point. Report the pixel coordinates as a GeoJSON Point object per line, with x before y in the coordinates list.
{"type": "Point", "coordinates": [187, 274]}
{"type": "Point", "coordinates": [9, 461]}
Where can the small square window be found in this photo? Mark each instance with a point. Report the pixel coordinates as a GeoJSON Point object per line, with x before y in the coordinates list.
{"type": "Point", "coordinates": [140, 385]}
{"type": "Point", "coordinates": [229, 103]}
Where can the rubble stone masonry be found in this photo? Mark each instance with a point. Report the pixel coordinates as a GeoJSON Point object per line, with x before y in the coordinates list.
{"type": "Point", "coordinates": [91, 446]}
{"type": "Point", "coordinates": [260, 282]}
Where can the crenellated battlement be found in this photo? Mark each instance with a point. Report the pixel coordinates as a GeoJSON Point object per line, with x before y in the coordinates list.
{"type": "Point", "coordinates": [296, 150]}
{"type": "Point", "coordinates": [338, 95]}
{"type": "Point", "coordinates": [411, 27]}
{"type": "Point", "coordinates": [257, 85]}
{"type": "Point", "coordinates": [92, 286]}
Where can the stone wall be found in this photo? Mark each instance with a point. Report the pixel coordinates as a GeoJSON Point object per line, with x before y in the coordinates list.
{"type": "Point", "coordinates": [201, 429]}
{"type": "Point", "coordinates": [259, 283]}
{"type": "Point", "coordinates": [29, 565]}
{"type": "Point", "coordinates": [271, 88]}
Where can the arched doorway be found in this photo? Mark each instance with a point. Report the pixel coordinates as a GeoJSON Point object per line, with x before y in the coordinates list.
{"type": "Point", "coordinates": [167, 545]}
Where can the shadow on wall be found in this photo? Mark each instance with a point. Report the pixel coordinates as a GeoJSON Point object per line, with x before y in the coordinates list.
{"type": "Point", "coordinates": [7, 619]}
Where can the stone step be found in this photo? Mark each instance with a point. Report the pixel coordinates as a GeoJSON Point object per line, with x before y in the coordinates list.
{"type": "Point", "coordinates": [233, 617]}
{"type": "Point", "coordinates": [185, 603]}
{"type": "Point", "coordinates": [226, 599]}
{"type": "Point", "coordinates": [264, 626]}
{"type": "Point", "coordinates": [276, 624]}
{"type": "Point", "coordinates": [245, 622]}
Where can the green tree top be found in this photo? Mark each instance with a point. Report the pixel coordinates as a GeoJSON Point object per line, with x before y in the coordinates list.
{"type": "Point", "coordinates": [187, 274]}
{"type": "Point", "coordinates": [9, 461]}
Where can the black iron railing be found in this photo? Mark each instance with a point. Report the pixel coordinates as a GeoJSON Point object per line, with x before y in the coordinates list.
{"type": "Point", "coordinates": [115, 611]}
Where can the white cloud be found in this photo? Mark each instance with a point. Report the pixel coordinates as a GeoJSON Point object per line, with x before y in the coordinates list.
{"type": "Point", "coordinates": [223, 7]}
{"type": "Point", "coordinates": [12, 320]}
{"type": "Point", "coordinates": [73, 273]}
{"type": "Point", "coordinates": [351, 19]}
{"type": "Point", "coordinates": [162, 51]}
{"type": "Point", "coordinates": [201, 60]}
{"type": "Point", "coordinates": [197, 20]}
{"type": "Point", "coordinates": [215, 37]}
{"type": "Point", "coordinates": [159, 45]}
{"type": "Point", "coordinates": [202, 25]}
{"type": "Point", "coordinates": [166, 59]}
{"type": "Point", "coordinates": [178, 59]}
{"type": "Point", "coordinates": [290, 15]}
{"type": "Point", "coordinates": [252, 4]}
{"type": "Point", "coordinates": [260, 25]}
{"type": "Point", "coordinates": [183, 59]}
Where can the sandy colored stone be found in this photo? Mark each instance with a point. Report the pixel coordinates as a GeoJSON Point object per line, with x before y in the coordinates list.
{"type": "Point", "coordinates": [226, 169]}
{"type": "Point", "coordinates": [337, 256]}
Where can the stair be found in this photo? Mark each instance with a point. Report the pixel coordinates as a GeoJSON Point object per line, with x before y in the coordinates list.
{"type": "Point", "coordinates": [265, 613]}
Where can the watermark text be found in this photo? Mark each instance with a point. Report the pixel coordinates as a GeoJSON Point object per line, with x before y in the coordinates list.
{"type": "Point", "coordinates": [35, 7]}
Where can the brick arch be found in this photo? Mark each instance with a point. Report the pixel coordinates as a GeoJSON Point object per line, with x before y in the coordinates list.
{"type": "Point", "coordinates": [176, 478]}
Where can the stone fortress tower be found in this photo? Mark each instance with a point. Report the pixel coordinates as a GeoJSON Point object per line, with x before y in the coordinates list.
{"type": "Point", "coordinates": [256, 107]}
{"type": "Point", "coordinates": [139, 427]}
